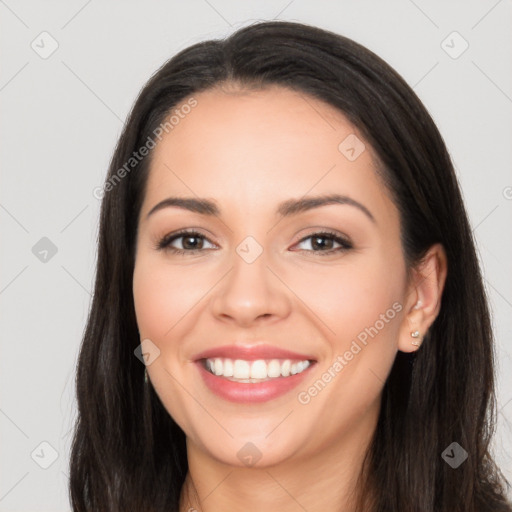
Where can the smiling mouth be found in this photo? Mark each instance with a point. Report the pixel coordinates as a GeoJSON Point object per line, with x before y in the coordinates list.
{"type": "Point", "coordinates": [260, 370]}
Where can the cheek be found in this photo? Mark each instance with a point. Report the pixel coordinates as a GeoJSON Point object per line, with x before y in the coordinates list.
{"type": "Point", "coordinates": [353, 295]}
{"type": "Point", "coordinates": [369, 321]}
{"type": "Point", "coordinates": [161, 297]}
{"type": "Point", "coordinates": [373, 305]}
{"type": "Point", "coordinates": [149, 300]}
{"type": "Point", "coordinates": [361, 305]}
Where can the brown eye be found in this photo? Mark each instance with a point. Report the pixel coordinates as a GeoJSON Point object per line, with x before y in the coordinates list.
{"type": "Point", "coordinates": [323, 243]}
{"type": "Point", "coordinates": [191, 242]}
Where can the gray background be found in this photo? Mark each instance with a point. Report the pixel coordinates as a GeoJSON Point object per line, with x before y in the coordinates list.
{"type": "Point", "coordinates": [61, 116]}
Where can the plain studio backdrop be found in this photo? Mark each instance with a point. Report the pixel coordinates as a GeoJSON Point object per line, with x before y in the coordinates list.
{"type": "Point", "coordinates": [70, 72]}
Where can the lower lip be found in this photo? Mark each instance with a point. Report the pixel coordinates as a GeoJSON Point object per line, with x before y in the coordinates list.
{"type": "Point", "coordinates": [245, 393]}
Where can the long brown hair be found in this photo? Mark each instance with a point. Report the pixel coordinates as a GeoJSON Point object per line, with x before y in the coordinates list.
{"type": "Point", "coordinates": [129, 454]}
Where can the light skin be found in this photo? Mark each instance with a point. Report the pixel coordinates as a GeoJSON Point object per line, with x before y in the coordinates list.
{"type": "Point", "coordinates": [249, 152]}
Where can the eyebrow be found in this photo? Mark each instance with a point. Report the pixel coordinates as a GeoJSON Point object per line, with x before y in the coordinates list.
{"type": "Point", "coordinates": [285, 209]}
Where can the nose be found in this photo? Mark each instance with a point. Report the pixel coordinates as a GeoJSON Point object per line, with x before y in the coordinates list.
{"type": "Point", "coordinates": [251, 293]}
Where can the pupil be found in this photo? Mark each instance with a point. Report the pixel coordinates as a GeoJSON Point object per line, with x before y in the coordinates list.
{"type": "Point", "coordinates": [321, 245]}
{"type": "Point", "coordinates": [190, 246]}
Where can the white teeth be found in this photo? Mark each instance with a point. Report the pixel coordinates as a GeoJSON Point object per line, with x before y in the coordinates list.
{"type": "Point", "coordinates": [228, 368]}
{"type": "Point", "coordinates": [258, 370]}
{"type": "Point", "coordinates": [217, 368]}
{"type": "Point", "coordinates": [241, 369]}
{"type": "Point", "coordinates": [274, 368]}
{"type": "Point", "coordinates": [251, 371]}
{"type": "Point", "coordinates": [285, 368]}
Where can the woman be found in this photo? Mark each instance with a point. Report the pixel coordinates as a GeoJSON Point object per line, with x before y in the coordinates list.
{"type": "Point", "coordinates": [288, 310]}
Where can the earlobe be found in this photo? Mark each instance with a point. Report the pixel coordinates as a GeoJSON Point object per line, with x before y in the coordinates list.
{"type": "Point", "coordinates": [423, 301]}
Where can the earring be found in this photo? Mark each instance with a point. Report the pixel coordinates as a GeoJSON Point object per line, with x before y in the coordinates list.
{"type": "Point", "coordinates": [416, 342]}
{"type": "Point", "coordinates": [145, 375]}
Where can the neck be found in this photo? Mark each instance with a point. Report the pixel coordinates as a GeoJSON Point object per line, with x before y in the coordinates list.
{"type": "Point", "coordinates": [325, 479]}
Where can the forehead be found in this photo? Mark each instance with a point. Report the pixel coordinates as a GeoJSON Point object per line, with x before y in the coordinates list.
{"type": "Point", "coordinates": [262, 147]}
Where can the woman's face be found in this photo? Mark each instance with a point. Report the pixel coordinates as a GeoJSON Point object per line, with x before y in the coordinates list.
{"type": "Point", "coordinates": [259, 273]}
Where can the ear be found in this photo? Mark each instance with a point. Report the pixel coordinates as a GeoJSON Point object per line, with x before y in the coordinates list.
{"type": "Point", "coordinates": [423, 299]}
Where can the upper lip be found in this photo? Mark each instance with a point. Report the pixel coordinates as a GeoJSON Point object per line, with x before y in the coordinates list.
{"type": "Point", "coordinates": [251, 353]}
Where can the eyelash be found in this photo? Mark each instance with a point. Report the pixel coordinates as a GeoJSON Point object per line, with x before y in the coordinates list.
{"type": "Point", "coordinates": [164, 243]}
